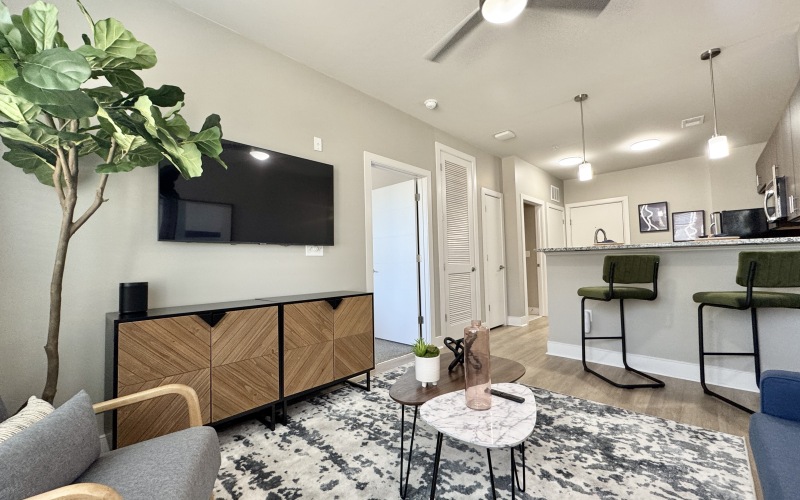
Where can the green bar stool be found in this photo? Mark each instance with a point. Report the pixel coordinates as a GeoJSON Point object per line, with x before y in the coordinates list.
{"type": "Point", "coordinates": [624, 269]}
{"type": "Point", "coordinates": [756, 269]}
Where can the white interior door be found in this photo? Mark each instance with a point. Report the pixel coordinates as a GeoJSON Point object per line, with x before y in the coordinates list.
{"type": "Point", "coordinates": [556, 227]}
{"type": "Point", "coordinates": [457, 225]}
{"type": "Point", "coordinates": [394, 254]}
{"type": "Point", "coordinates": [494, 259]}
{"type": "Point", "coordinates": [586, 219]}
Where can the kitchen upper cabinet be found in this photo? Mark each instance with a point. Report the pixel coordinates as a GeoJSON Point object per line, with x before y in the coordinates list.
{"type": "Point", "coordinates": [785, 156]}
{"type": "Point", "coordinates": [765, 162]}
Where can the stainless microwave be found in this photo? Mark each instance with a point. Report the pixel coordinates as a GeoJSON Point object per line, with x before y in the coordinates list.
{"type": "Point", "coordinates": [776, 198]}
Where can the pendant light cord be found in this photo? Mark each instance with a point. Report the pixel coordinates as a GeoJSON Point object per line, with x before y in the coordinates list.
{"type": "Point", "coordinates": [583, 133]}
{"type": "Point", "coordinates": [713, 93]}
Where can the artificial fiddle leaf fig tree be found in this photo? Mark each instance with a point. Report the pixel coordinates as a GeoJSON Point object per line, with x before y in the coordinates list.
{"type": "Point", "coordinates": [60, 105]}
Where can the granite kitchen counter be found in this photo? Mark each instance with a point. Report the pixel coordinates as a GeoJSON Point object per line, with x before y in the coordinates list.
{"type": "Point", "coordinates": [701, 243]}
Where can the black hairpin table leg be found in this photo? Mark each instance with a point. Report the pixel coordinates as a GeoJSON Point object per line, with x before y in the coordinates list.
{"type": "Point", "coordinates": [404, 486]}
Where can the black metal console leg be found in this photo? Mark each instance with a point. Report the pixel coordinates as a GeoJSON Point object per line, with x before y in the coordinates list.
{"type": "Point", "coordinates": [365, 386]}
{"type": "Point", "coordinates": [267, 423]}
{"type": "Point", "coordinates": [491, 472]}
{"type": "Point", "coordinates": [436, 459]}
{"type": "Point", "coordinates": [404, 486]}
{"type": "Point", "coordinates": [703, 355]}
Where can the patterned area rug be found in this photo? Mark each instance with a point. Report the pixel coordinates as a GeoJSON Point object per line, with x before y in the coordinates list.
{"type": "Point", "coordinates": [345, 444]}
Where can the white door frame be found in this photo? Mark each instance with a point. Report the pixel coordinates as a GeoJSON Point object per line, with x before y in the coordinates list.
{"type": "Point", "coordinates": [626, 223]}
{"type": "Point", "coordinates": [441, 148]}
{"type": "Point", "coordinates": [540, 225]}
{"type": "Point", "coordinates": [425, 224]}
{"type": "Point", "coordinates": [488, 192]}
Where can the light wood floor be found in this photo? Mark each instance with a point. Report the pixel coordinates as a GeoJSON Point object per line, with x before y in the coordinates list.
{"type": "Point", "coordinates": [681, 400]}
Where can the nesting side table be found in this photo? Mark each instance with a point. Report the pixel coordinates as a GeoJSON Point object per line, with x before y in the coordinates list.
{"type": "Point", "coordinates": [506, 424]}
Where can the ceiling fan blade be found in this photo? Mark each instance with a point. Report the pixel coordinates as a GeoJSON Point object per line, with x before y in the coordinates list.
{"type": "Point", "coordinates": [586, 7]}
{"type": "Point", "coordinates": [461, 30]}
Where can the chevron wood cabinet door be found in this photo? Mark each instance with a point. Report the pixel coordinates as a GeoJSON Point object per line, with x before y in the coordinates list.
{"type": "Point", "coordinates": [244, 361]}
{"type": "Point", "coordinates": [353, 344]}
{"type": "Point", "coordinates": [160, 416]}
{"type": "Point", "coordinates": [307, 367]}
{"type": "Point", "coordinates": [307, 323]}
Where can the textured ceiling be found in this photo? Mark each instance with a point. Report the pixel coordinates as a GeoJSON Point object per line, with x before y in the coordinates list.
{"type": "Point", "coordinates": [638, 61]}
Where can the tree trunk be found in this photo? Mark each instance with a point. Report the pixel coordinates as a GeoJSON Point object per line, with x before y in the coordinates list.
{"type": "Point", "coordinates": [56, 286]}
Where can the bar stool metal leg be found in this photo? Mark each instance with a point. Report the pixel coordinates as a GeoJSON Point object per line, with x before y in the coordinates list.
{"type": "Point", "coordinates": [703, 353]}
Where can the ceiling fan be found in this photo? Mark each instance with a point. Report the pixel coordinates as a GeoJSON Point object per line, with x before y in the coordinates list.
{"type": "Point", "coordinates": [502, 11]}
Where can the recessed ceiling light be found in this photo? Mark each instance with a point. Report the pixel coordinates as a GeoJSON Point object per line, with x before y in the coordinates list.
{"type": "Point", "coordinates": [645, 145]}
{"type": "Point", "coordinates": [259, 155]}
{"type": "Point", "coordinates": [571, 161]}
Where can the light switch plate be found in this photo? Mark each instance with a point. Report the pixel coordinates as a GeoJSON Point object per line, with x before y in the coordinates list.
{"type": "Point", "coordinates": [313, 251]}
{"type": "Point", "coordinates": [317, 144]}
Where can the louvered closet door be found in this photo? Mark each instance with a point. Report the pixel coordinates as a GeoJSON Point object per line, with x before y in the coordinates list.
{"type": "Point", "coordinates": [244, 361]}
{"type": "Point", "coordinates": [458, 229]}
{"type": "Point", "coordinates": [157, 352]}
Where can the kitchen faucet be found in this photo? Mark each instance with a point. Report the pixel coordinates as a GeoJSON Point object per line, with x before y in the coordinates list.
{"type": "Point", "coordinates": [605, 238]}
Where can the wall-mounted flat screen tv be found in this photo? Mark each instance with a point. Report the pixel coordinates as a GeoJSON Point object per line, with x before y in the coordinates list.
{"type": "Point", "coordinates": [278, 199]}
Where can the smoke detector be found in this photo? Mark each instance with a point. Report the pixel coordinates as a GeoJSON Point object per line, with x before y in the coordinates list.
{"type": "Point", "coordinates": [431, 104]}
{"type": "Point", "coordinates": [504, 135]}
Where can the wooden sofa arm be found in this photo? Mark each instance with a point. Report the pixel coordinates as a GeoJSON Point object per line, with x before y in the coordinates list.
{"type": "Point", "coordinates": [188, 394]}
{"type": "Point", "coordinates": [80, 491]}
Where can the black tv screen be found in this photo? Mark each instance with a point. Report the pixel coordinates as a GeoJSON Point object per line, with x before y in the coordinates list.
{"type": "Point", "coordinates": [283, 200]}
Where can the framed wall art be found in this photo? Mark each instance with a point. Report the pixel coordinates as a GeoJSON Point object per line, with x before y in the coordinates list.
{"type": "Point", "coordinates": [653, 217]}
{"type": "Point", "coordinates": [688, 226]}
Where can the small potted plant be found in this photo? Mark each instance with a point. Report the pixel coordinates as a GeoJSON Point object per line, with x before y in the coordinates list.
{"type": "Point", "coordinates": [426, 362]}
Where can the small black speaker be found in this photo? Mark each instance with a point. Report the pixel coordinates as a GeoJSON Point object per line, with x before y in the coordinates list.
{"type": "Point", "coordinates": [133, 297]}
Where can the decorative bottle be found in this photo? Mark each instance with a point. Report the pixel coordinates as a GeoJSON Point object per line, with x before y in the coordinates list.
{"type": "Point", "coordinates": [477, 372]}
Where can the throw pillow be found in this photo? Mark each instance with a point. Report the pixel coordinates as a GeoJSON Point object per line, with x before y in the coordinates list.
{"type": "Point", "coordinates": [51, 453]}
{"type": "Point", "coordinates": [35, 410]}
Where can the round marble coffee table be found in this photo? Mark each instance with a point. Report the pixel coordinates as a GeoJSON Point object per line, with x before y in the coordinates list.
{"type": "Point", "coordinates": [506, 424]}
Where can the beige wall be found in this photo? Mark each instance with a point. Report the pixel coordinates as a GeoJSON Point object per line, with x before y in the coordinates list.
{"type": "Point", "coordinates": [264, 99]}
{"type": "Point", "coordinates": [520, 178]}
{"type": "Point", "coordinates": [531, 271]}
{"type": "Point", "coordinates": [691, 184]}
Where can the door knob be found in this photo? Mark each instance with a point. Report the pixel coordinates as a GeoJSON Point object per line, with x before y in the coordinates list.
{"type": "Point", "coordinates": [501, 267]}
{"type": "Point", "coordinates": [473, 269]}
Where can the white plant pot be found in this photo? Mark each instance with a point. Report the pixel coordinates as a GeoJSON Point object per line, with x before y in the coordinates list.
{"type": "Point", "coordinates": [427, 370]}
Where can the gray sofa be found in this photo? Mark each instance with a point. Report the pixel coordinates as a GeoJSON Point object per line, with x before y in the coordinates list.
{"type": "Point", "coordinates": [64, 449]}
{"type": "Point", "coordinates": [775, 435]}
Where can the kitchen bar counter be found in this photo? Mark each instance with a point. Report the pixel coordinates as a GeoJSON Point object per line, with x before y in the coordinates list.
{"type": "Point", "coordinates": [662, 335]}
{"type": "Point", "coordinates": [701, 243]}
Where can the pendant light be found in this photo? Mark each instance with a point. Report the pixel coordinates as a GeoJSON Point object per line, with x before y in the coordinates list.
{"type": "Point", "coordinates": [585, 168]}
{"type": "Point", "coordinates": [502, 11]}
{"type": "Point", "coordinates": [718, 144]}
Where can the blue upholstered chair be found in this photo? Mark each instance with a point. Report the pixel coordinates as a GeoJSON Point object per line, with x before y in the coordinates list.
{"type": "Point", "coordinates": [775, 435]}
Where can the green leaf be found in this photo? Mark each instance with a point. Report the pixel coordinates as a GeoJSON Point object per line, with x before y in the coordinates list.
{"type": "Point", "coordinates": [67, 104]}
{"type": "Point", "coordinates": [112, 37]}
{"type": "Point", "coordinates": [177, 126]}
{"type": "Point", "coordinates": [212, 121]}
{"type": "Point", "coordinates": [124, 141]}
{"type": "Point", "coordinates": [28, 43]}
{"type": "Point", "coordinates": [186, 158]}
{"type": "Point", "coordinates": [15, 134]}
{"type": "Point", "coordinates": [32, 160]}
{"type": "Point", "coordinates": [60, 42]}
{"type": "Point", "coordinates": [113, 168]}
{"type": "Point", "coordinates": [7, 68]}
{"type": "Point", "coordinates": [56, 69]}
{"type": "Point", "coordinates": [165, 96]}
{"type": "Point", "coordinates": [105, 95]}
{"type": "Point", "coordinates": [125, 79]}
{"type": "Point", "coordinates": [86, 15]}
{"type": "Point", "coordinates": [145, 156]}
{"type": "Point", "coordinates": [208, 142]}
{"type": "Point", "coordinates": [91, 54]}
{"type": "Point", "coordinates": [16, 108]}
{"type": "Point", "coordinates": [41, 20]}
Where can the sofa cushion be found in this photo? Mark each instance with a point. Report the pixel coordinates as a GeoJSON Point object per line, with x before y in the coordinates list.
{"type": "Point", "coordinates": [52, 452]}
{"type": "Point", "coordinates": [776, 449]}
{"type": "Point", "coordinates": [35, 410]}
{"type": "Point", "coordinates": [181, 465]}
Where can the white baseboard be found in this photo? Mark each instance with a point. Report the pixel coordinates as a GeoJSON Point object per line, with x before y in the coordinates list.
{"type": "Point", "coordinates": [517, 320]}
{"type": "Point", "coordinates": [724, 377]}
{"type": "Point", "coordinates": [104, 443]}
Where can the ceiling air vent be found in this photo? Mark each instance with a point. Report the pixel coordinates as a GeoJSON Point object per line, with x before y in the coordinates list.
{"type": "Point", "coordinates": [555, 193]}
{"type": "Point", "coordinates": [693, 121]}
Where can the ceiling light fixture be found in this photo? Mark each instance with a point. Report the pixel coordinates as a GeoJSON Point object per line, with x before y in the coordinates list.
{"type": "Point", "coordinates": [585, 168]}
{"type": "Point", "coordinates": [718, 144]}
{"type": "Point", "coordinates": [259, 155]}
{"type": "Point", "coordinates": [502, 11]}
{"type": "Point", "coordinates": [505, 135]}
{"type": "Point", "coordinates": [571, 161]}
{"type": "Point", "coordinates": [645, 145]}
